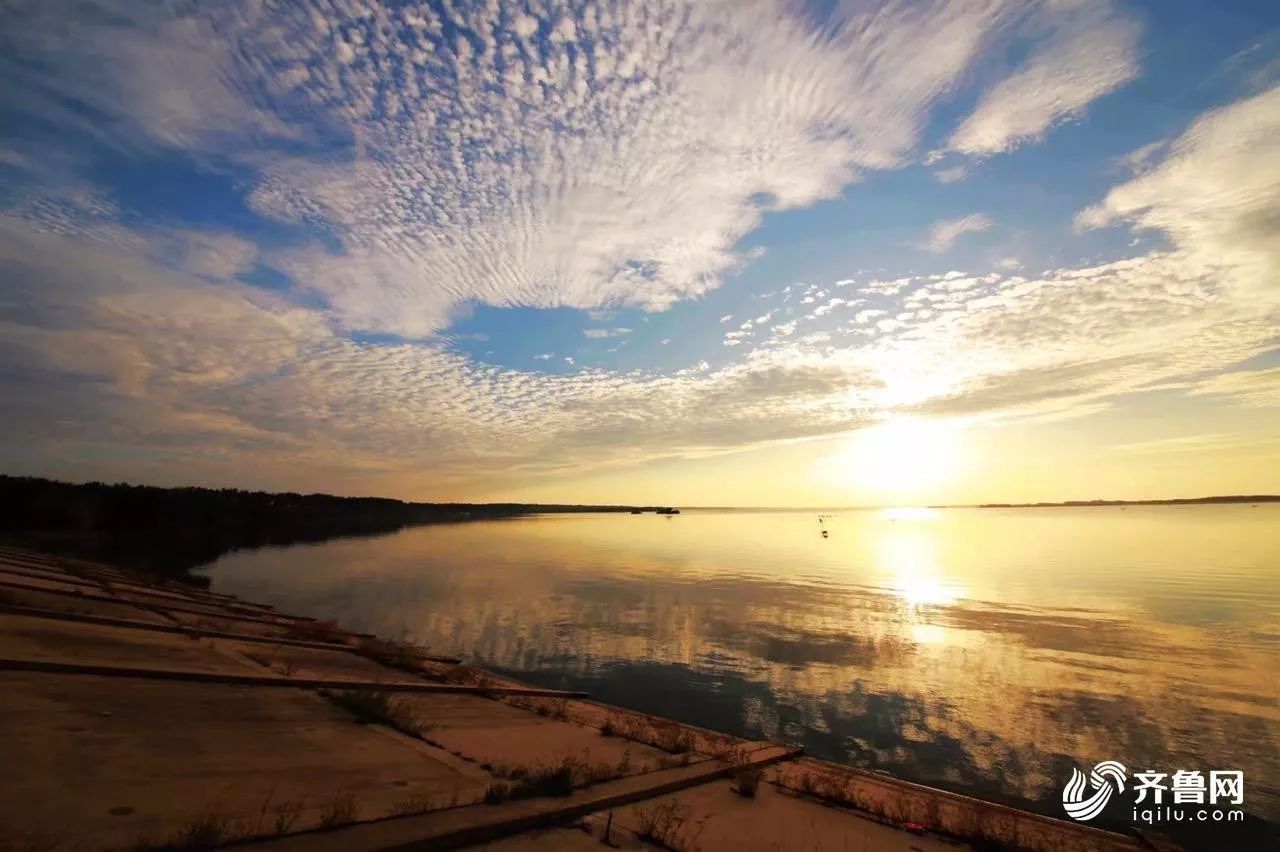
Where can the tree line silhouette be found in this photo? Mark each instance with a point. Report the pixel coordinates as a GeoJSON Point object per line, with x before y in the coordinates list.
{"type": "Point", "coordinates": [167, 531]}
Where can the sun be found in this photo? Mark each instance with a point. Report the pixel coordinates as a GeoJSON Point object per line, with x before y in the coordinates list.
{"type": "Point", "coordinates": [901, 457]}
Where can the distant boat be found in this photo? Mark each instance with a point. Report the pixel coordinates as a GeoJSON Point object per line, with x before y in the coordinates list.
{"type": "Point", "coordinates": [668, 511]}
{"type": "Point", "coordinates": [637, 511]}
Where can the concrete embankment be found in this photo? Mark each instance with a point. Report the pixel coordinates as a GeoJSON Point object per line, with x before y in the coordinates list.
{"type": "Point", "coordinates": [155, 717]}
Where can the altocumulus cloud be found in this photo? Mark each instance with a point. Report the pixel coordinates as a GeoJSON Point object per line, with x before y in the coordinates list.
{"type": "Point", "coordinates": [534, 156]}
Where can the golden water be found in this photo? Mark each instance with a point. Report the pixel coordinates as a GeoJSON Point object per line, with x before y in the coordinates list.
{"type": "Point", "coordinates": [982, 650]}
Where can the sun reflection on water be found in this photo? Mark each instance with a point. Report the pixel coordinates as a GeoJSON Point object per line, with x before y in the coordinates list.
{"type": "Point", "coordinates": [908, 559]}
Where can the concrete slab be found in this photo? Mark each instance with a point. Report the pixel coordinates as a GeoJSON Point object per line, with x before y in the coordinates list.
{"type": "Point", "coordinates": [504, 736]}
{"type": "Point", "coordinates": [44, 640]}
{"type": "Point", "coordinates": [563, 840]}
{"type": "Point", "coordinates": [63, 603]}
{"type": "Point", "coordinates": [313, 662]}
{"type": "Point", "coordinates": [228, 625]}
{"type": "Point", "coordinates": [8, 569]}
{"type": "Point", "coordinates": [9, 579]}
{"type": "Point", "coordinates": [947, 813]}
{"type": "Point", "coordinates": [200, 608]}
{"type": "Point", "coordinates": [91, 765]}
{"type": "Point", "coordinates": [644, 728]}
{"type": "Point", "coordinates": [459, 828]}
{"type": "Point", "coordinates": [712, 817]}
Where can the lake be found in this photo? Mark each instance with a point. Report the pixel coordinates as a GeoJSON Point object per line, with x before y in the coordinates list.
{"type": "Point", "coordinates": [980, 650]}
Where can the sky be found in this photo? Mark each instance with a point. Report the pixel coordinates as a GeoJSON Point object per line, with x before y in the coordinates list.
{"type": "Point", "coordinates": [748, 252]}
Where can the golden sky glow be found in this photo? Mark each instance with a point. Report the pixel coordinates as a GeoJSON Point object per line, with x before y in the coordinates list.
{"type": "Point", "coordinates": [636, 252]}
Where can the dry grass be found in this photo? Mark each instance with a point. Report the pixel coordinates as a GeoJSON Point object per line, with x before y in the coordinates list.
{"type": "Point", "coordinates": [747, 781]}
{"type": "Point", "coordinates": [204, 832]}
{"type": "Point", "coordinates": [557, 779]}
{"type": "Point", "coordinates": [340, 810]}
{"type": "Point", "coordinates": [667, 825]}
{"type": "Point", "coordinates": [285, 815]}
{"type": "Point", "coordinates": [671, 737]}
{"type": "Point", "coordinates": [398, 654]}
{"type": "Point", "coordinates": [319, 631]}
{"type": "Point", "coordinates": [556, 708]}
{"type": "Point", "coordinates": [729, 750]}
{"type": "Point", "coordinates": [829, 787]}
{"type": "Point", "coordinates": [377, 707]}
{"type": "Point", "coordinates": [418, 804]}
{"type": "Point", "coordinates": [465, 675]}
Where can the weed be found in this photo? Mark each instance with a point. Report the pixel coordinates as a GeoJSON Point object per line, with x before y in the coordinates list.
{"type": "Point", "coordinates": [747, 781]}
{"type": "Point", "coordinates": [466, 676]}
{"type": "Point", "coordinates": [673, 737]}
{"type": "Point", "coordinates": [339, 810]}
{"type": "Point", "coordinates": [729, 750]}
{"type": "Point", "coordinates": [596, 773]}
{"type": "Point", "coordinates": [204, 832]}
{"type": "Point", "coordinates": [319, 631]}
{"type": "Point", "coordinates": [809, 784]}
{"type": "Point", "coordinates": [285, 815]}
{"type": "Point", "coordinates": [376, 707]}
{"type": "Point", "coordinates": [418, 804]}
{"type": "Point", "coordinates": [554, 780]}
{"type": "Point", "coordinates": [557, 779]}
{"type": "Point", "coordinates": [667, 825]}
{"type": "Point", "coordinates": [402, 655]}
{"type": "Point", "coordinates": [829, 788]}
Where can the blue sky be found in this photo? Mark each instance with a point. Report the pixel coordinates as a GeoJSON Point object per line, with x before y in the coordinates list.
{"type": "Point", "coordinates": [484, 250]}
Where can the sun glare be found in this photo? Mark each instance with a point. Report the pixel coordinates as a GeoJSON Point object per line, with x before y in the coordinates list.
{"type": "Point", "coordinates": [904, 455]}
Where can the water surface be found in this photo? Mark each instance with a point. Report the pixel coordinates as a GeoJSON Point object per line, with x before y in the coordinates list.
{"type": "Point", "coordinates": [983, 650]}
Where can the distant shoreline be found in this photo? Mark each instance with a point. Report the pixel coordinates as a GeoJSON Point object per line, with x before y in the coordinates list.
{"type": "Point", "coordinates": [1062, 504]}
{"type": "Point", "coordinates": [1174, 501]}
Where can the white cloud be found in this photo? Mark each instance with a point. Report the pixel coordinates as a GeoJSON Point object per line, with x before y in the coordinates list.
{"type": "Point", "coordinates": [613, 158]}
{"type": "Point", "coordinates": [1086, 51]}
{"type": "Point", "coordinates": [1216, 192]}
{"type": "Point", "coordinates": [944, 233]}
{"type": "Point", "coordinates": [952, 174]}
{"type": "Point", "coordinates": [1259, 388]}
{"type": "Point", "coordinates": [148, 76]}
{"type": "Point", "coordinates": [602, 333]}
{"type": "Point", "coordinates": [1141, 159]}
